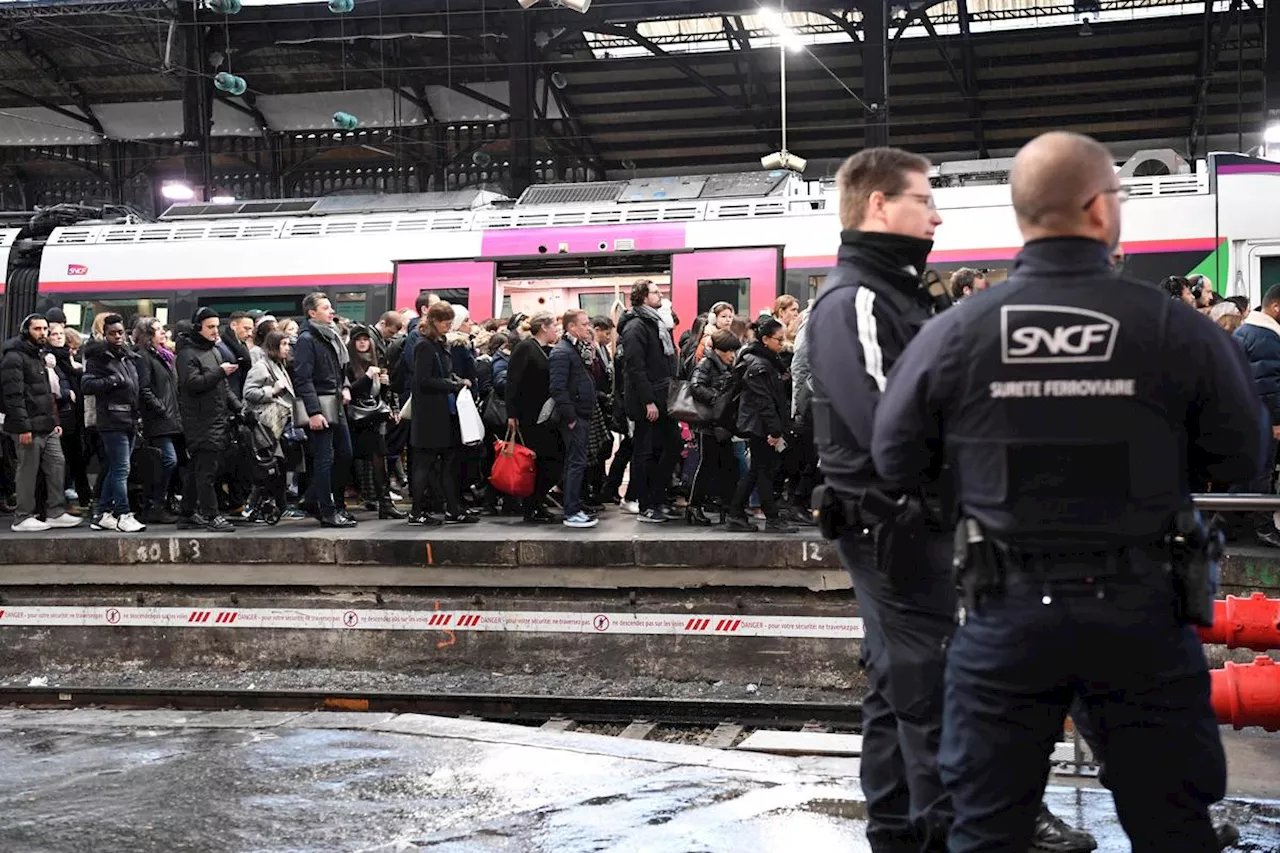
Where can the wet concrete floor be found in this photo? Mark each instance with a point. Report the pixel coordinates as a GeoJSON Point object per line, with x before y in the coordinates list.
{"type": "Point", "coordinates": [242, 782]}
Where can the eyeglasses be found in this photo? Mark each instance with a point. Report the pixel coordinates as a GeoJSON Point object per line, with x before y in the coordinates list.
{"type": "Point", "coordinates": [1121, 194]}
{"type": "Point", "coordinates": [929, 203]}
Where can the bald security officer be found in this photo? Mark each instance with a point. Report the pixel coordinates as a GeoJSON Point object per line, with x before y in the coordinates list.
{"type": "Point", "coordinates": [1073, 407]}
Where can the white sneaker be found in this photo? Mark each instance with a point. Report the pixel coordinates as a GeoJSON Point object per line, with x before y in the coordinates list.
{"type": "Point", "coordinates": [29, 525]}
{"type": "Point", "coordinates": [64, 520]}
{"type": "Point", "coordinates": [581, 520]}
{"type": "Point", "coordinates": [106, 521]}
{"type": "Point", "coordinates": [129, 524]}
{"type": "Point", "coordinates": [631, 507]}
{"type": "Point", "coordinates": [71, 495]}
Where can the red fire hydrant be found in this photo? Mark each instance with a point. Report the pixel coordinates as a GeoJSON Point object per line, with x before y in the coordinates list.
{"type": "Point", "coordinates": [1245, 623]}
{"type": "Point", "coordinates": [1248, 694]}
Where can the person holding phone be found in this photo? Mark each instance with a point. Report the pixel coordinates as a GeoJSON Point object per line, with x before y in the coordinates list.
{"type": "Point", "coordinates": [206, 405]}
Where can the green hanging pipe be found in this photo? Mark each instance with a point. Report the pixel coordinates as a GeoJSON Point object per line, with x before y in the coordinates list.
{"type": "Point", "coordinates": [341, 7]}
{"type": "Point", "coordinates": [229, 83]}
{"type": "Point", "coordinates": [345, 121]}
{"type": "Point", "coordinates": [225, 7]}
{"type": "Point", "coordinates": [481, 159]}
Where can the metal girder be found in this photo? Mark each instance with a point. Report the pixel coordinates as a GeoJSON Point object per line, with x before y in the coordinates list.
{"type": "Point", "coordinates": [1271, 62]}
{"type": "Point", "coordinates": [753, 89]}
{"type": "Point", "coordinates": [52, 107]}
{"type": "Point", "coordinates": [845, 24]}
{"type": "Point", "coordinates": [585, 144]}
{"type": "Point", "coordinates": [875, 72]}
{"type": "Point", "coordinates": [970, 77]}
{"type": "Point", "coordinates": [45, 63]}
{"type": "Point", "coordinates": [521, 81]}
{"type": "Point", "coordinates": [763, 132]}
{"type": "Point", "coordinates": [1210, 48]}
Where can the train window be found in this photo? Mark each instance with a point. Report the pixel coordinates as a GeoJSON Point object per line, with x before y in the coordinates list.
{"type": "Point", "coordinates": [277, 306]}
{"type": "Point", "coordinates": [506, 307]}
{"type": "Point", "coordinates": [350, 305]}
{"type": "Point", "coordinates": [1269, 272]}
{"type": "Point", "coordinates": [81, 314]}
{"type": "Point", "coordinates": [815, 284]}
{"type": "Point", "coordinates": [732, 290]}
{"type": "Point", "coordinates": [596, 304]}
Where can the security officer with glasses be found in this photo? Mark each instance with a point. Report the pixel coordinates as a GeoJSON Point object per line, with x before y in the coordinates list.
{"type": "Point", "coordinates": [895, 545]}
{"type": "Point", "coordinates": [1082, 564]}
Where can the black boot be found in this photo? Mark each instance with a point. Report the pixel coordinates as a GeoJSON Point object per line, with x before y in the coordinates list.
{"type": "Point", "coordinates": [695, 517]}
{"type": "Point", "coordinates": [387, 509]}
{"type": "Point", "coordinates": [1052, 835]}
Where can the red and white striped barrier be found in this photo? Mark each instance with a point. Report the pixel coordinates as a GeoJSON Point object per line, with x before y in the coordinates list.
{"type": "Point", "coordinates": [436, 620]}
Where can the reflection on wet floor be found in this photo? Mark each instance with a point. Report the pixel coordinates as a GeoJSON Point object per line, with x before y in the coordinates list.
{"type": "Point", "coordinates": [290, 790]}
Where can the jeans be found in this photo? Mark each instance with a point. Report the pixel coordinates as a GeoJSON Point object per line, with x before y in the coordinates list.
{"type": "Point", "coordinates": [117, 448]}
{"type": "Point", "coordinates": [158, 488]}
{"type": "Point", "coordinates": [331, 460]}
{"type": "Point", "coordinates": [575, 471]}
{"type": "Point", "coordinates": [765, 462]}
{"type": "Point", "coordinates": [42, 456]}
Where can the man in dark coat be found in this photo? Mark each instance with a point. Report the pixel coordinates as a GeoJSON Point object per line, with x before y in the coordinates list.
{"type": "Point", "coordinates": [207, 405]}
{"type": "Point", "coordinates": [30, 417]}
{"type": "Point", "coordinates": [528, 389]}
{"type": "Point", "coordinates": [649, 365]}
{"type": "Point", "coordinates": [575, 394]}
{"type": "Point", "coordinates": [320, 380]}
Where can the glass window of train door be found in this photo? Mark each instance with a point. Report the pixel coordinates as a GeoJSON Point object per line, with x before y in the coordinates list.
{"type": "Point", "coordinates": [596, 304]}
{"type": "Point", "coordinates": [130, 308]}
{"type": "Point", "coordinates": [350, 304]}
{"type": "Point", "coordinates": [735, 291]}
{"type": "Point", "coordinates": [815, 284]}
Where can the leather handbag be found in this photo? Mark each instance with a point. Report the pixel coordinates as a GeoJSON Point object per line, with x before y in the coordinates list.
{"type": "Point", "coordinates": [495, 412]}
{"type": "Point", "coordinates": [682, 406]}
{"type": "Point", "coordinates": [514, 467]}
{"type": "Point", "coordinates": [368, 411]}
{"type": "Point", "coordinates": [330, 407]}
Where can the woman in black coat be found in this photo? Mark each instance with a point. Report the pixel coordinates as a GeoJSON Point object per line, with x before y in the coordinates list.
{"type": "Point", "coordinates": [372, 405]}
{"type": "Point", "coordinates": [111, 378]}
{"type": "Point", "coordinates": [764, 410]}
{"type": "Point", "coordinates": [161, 422]}
{"type": "Point", "coordinates": [434, 433]}
{"type": "Point", "coordinates": [528, 389]}
{"type": "Point", "coordinates": [716, 475]}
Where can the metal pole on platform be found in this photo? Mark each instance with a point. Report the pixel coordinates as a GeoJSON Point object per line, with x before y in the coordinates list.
{"type": "Point", "coordinates": [1237, 503]}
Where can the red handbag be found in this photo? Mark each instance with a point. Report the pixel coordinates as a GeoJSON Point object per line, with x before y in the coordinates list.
{"type": "Point", "coordinates": [515, 465]}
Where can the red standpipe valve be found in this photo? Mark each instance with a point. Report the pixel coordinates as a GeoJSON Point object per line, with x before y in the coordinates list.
{"type": "Point", "coordinates": [1248, 694]}
{"type": "Point", "coordinates": [1245, 623]}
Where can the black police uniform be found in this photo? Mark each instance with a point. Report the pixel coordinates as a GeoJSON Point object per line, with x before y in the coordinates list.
{"type": "Point", "coordinates": [871, 305]}
{"type": "Point", "coordinates": [1074, 408]}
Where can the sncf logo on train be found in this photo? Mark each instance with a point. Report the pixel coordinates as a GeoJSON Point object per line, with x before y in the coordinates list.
{"type": "Point", "coordinates": [77, 269]}
{"type": "Point", "coordinates": [1055, 334]}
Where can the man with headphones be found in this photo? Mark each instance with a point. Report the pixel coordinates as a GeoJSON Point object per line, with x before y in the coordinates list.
{"type": "Point", "coordinates": [31, 418]}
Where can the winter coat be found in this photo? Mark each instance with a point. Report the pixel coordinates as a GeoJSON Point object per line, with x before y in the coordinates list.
{"type": "Point", "coordinates": [433, 426]}
{"type": "Point", "coordinates": [528, 388]}
{"type": "Point", "coordinates": [236, 353]}
{"type": "Point", "coordinates": [464, 356]}
{"type": "Point", "coordinates": [204, 399]}
{"type": "Point", "coordinates": [501, 362]}
{"type": "Point", "coordinates": [801, 390]}
{"type": "Point", "coordinates": [764, 409]}
{"type": "Point", "coordinates": [272, 408]}
{"type": "Point", "coordinates": [570, 383]}
{"type": "Point", "coordinates": [648, 369]}
{"type": "Point", "coordinates": [28, 399]}
{"type": "Point", "coordinates": [70, 416]}
{"type": "Point", "coordinates": [111, 378]}
{"type": "Point", "coordinates": [158, 392]}
{"type": "Point", "coordinates": [1259, 335]}
{"type": "Point", "coordinates": [316, 370]}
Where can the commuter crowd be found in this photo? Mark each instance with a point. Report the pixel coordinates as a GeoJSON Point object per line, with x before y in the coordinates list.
{"type": "Point", "coordinates": [250, 419]}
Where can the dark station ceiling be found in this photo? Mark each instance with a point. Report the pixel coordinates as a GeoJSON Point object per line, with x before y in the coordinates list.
{"type": "Point", "coordinates": [1192, 82]}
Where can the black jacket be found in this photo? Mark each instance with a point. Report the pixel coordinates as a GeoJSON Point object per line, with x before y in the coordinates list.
{"type": "Point", "coordinates": [1051, 400]}
{"type": "Point", "coordinates": [433, 426]}
{"type": "Point", "coordinates": [69, 411]}
{"type": "Point", "coordinates": [528, 382]}
{"type": "Point", "coordinates": [764, 409]}
{"type": "Point", "coordinates": [111, 378]}
{"type": "Point", "coordinates": [571, 383]}
{"type": "Point", "coordinates": [236, 353]}
{"type": "Point", "coordinates": [158, 390]}
{"type": "Point", "coordinates": [712, 380]}
{"type": "Point", "coordinates": [648, 369]}
{"type": "Point", "coordinates": [316, 370]}
{"type": "Point", "coordinates": [203, 397]}
{"type": "Point", "coordinates": [28, 399]}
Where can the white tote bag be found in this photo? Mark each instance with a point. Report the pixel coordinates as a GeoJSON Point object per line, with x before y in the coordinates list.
{"type": "Point", "coordinates": [469, 420]}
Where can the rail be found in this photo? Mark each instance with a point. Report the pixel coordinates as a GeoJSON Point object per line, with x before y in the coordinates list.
{"type": "Point", "coordinates": [1237, 503]}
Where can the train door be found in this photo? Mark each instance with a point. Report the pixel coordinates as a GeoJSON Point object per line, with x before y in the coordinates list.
{"type": "Point", "coordinates": [1258, 268]}
{"type": "Point", "coordinates": [748, 279]}
{"type": "Point", "coordinates": [470, 284]}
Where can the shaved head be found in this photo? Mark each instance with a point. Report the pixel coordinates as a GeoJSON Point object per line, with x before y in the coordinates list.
{"type": "Point", "coordinates": [1056, 183]}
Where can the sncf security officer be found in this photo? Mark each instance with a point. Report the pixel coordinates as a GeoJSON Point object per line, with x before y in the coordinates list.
{"type": "Point", "coordinates": [872, 304]}
{"type": "Point", "coordinates": [1071, 443]}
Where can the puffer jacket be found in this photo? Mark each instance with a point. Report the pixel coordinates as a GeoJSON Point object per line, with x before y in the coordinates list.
{"type": "Point", "coordinates": [204, 399]}
{"type": "Point", "coordinates": [1259, 335]}
{"type": "Point", "coordinates": [764, 409]}
{"type": "Point", "coordinates": [158, 391]}
{"type": "Point", "coordinates": [28, 399]}
{"type": "Point", "coordinates": [711, 380]}
{"type": "Point", "coordinates": [111, 378]}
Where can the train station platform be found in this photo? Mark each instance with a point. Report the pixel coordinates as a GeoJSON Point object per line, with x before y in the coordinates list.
{"type": "Point", "coordinates": [619, 553]}
{"type": "Point", "coordinates": [376, 783]}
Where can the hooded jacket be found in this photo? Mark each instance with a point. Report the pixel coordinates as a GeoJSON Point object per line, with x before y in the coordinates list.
{"type": "Point", "coordinates": [28, 399]}
{"type": "Point", "coordinates": [204, 399]}
{"type": "Point", "coordinates": [111, 378]}
{"type": "Point", "coordinates": [764, 409]}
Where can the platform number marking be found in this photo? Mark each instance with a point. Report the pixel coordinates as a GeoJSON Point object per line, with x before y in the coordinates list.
{"type": "Point", "coordinates": [810, 551]}
{"type": "Point", "coordinates": [601, 623]}
{"type": "Point", "coordinates": [350, 619]}
{"type": "Point", "coordinates": [113, 616]}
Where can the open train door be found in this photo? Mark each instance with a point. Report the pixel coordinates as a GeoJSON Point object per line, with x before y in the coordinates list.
{"type": "Point", "coordinates": [468, 283]}
{"type": "Point", "coordinates": [748, 279]}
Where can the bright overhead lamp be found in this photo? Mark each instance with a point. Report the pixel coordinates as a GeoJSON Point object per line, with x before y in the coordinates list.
{"type": "Point", "coordinates": [525, 4]}
{"type": "Point", "coordinates": [1272, 134]}
{"type": "Point", "coordinates": [222, 199]}
{"type": "Point", "coordinates": [177, 191]}
{"type": "Point", "coordinates": [777, 25]}
{"type": "Point", "coordinates": [579, 6]}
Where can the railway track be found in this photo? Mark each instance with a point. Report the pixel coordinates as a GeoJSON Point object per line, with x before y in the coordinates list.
{"type": "Point", "coordinates": [720, 722]}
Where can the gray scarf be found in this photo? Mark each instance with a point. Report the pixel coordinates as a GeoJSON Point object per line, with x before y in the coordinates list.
{"type": "Point", "coordinates": [329, 332]}
{"type": "Point", "coordinates": [664, 331]}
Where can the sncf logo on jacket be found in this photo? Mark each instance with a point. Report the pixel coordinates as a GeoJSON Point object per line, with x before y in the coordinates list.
{"type": "Point", "coordinates": [1055, 334]}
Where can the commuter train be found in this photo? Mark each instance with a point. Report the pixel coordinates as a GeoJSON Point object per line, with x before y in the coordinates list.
{"type": "Point", "coordinates": [742, 238]}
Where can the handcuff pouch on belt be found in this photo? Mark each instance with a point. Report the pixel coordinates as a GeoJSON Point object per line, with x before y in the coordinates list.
{"type": "Point", "coordinates": [1195, 550]}
{"type": "Point", "coordinates": [837, 514]}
